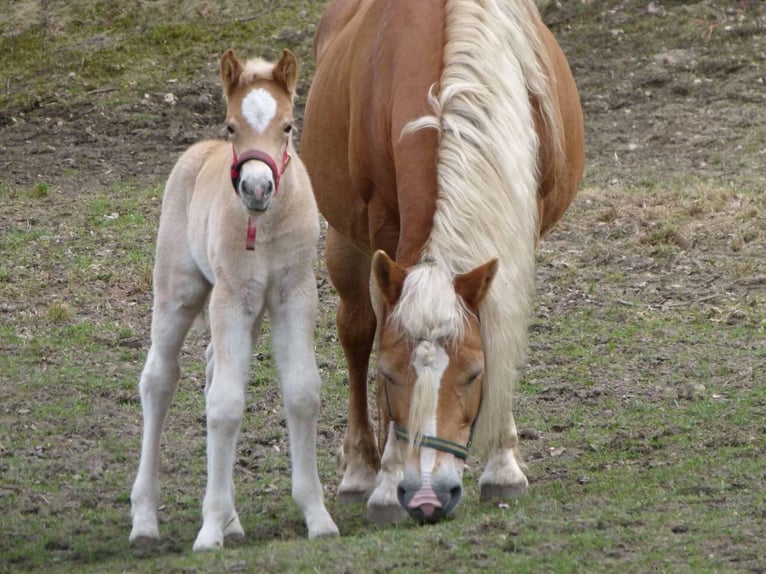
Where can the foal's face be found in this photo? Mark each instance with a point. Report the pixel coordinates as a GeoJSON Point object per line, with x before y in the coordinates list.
{"type": "Point", "coordinates": [431, 367]}
{"type": "Point", "coordinates": [259, 116]}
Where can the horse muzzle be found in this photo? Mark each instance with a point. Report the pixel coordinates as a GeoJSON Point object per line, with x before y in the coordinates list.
{"type": "Point", "coordinates": [429, 502]}
{"type": "Point", "coordinates": [256, 192]}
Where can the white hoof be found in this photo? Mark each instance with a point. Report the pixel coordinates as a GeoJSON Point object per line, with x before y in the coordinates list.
{"type": "Point", "coordinates": [145, 534]}
{"type": "Point", "coordinates": [503, 477]}
{"type": "Point", "coordinates": [323, 528]}
{"type": "Point", "coordinates": [233, 531]}
{"type": "Point", "coordinates": [209, 539]}
{"type": "Point", "coordinates": [383, 506]}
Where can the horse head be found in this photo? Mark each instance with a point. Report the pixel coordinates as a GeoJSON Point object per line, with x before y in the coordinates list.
{"type": "Point", "coordinates": [431, 367]}
{"type": "Point", "coordinates": [259, 122]}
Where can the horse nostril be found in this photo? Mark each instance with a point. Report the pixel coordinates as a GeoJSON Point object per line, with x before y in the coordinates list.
{"type": "Point", "coordinates": [270, 187]}
{"type": "Point", "coordinates": [456, 493]}
{"type": "Point", "coordinates": [400, 494]}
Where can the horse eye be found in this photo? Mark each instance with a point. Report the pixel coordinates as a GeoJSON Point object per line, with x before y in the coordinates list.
{"type": "Point", "coordinates": [228, 130]}
{"type": "Point", "coordinates": [473, 377]}
{"type": "Point", "coordinates": [288, 128]}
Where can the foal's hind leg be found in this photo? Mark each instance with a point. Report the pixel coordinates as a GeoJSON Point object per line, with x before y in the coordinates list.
{"type": "Point", "coordinates": [350, 273]}
{"type": "Point", "coordinates": [179, 296]}
{"type": "Point", "coordinates": [293, 314]}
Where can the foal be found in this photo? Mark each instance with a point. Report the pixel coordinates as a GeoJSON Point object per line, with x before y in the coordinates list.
{"type": "Point", "coordinates": [240, 227]}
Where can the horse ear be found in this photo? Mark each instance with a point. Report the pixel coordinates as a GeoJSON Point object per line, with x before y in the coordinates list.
{"type": "Point", "coordinates": [389, 276]}
{"type": "Point", "coordinates": [474, 285]}
{"type": "Point", "coordinates": [231, 71]}
{"type": "Point", "coordinates": [286, 71]}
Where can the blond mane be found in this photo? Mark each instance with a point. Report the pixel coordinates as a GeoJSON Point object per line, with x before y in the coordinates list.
{"type": "Point", "coordinates": [487, 175]}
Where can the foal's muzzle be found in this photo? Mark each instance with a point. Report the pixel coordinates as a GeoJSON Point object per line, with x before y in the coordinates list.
{"type": "Point", "coordinates": [256, 192]}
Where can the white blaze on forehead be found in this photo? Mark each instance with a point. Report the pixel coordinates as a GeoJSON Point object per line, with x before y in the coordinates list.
{"type": "Point", "coordinates": [431, 356]}
{"type": "Point", "coordinates": [259, 107]}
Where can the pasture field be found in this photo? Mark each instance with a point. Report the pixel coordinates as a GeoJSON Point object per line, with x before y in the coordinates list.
{"type": "Point", "coordinates": [642, 410]}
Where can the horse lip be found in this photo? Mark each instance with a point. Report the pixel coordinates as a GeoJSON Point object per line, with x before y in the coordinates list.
{"type": "Point", "coordinates": [257, 206]}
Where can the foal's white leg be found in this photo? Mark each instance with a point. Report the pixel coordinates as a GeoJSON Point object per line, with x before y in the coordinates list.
{"type": "Point", "coordinates": [230, 326]}
{"type": "Point", "coordinates": [233, 531]}
{"type": "Point", "coordinates": [292, 325]}
{"type": "Point", "coordinates": [170, 322]}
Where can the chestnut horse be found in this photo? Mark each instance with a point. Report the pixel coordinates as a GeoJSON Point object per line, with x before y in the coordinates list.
{"type": "Point", "coordinates": [443, 138]}
{"type": "Point", "coordinates": [240, 227]}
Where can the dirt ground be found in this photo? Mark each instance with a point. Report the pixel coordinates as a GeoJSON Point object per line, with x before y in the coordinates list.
{"type": "Point", "coordinates": [670, 89]}
{"type": "Point", "coordinates": [672, 92]}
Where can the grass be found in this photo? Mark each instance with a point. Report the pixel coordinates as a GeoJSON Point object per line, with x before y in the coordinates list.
{"type": "Point", "coordinates": [641, 409]}
{"type": "Point", "coordinates": [631, 467]}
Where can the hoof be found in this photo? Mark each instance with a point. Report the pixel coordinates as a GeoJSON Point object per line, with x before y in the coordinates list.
{"type": "Point", "coordinates": [233, 532]}
{"type": "Point", "coordinates": [492, 492]}
{"type": "Point", "coordinates": [144, 542]}
{"type": "Point", "coordinates": [209, 539]}
{"type": "Point", "coordinates": [353, 496]}
{"type": "Point", "coordinates": [391, 514]}
{"type": "Point", "coordinates": [329, 532]}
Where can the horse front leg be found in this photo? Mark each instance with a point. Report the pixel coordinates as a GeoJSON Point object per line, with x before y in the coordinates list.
{"type": "Point", "coordinates": [230, 326]}
{"type": "Point", "coordinates": [171, 319]}
{"type": "Point", "coordinates": [503, 476]}
{"type": "Point", "coordinates": [292, 324]}
{"type": "Point", "coordinates": [350, 272]}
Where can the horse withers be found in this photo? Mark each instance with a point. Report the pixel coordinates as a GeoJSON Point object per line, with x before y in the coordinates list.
{"type": "Point", "coordinates": [239, 227]}
{"type": "Point", "coordinates": [443, 138]}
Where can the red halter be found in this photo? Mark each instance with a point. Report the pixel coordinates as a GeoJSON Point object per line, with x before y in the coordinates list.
{"type": "Point", "coordinates": [276, 174]}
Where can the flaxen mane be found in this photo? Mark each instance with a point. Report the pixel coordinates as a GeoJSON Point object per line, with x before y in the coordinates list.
{"type": "Point", "coordinates": [488, 178]}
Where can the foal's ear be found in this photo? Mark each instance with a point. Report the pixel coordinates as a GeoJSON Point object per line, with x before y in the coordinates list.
{"type": "Point", "coordinates": [231, 71]}
{"type": "Point", "coordinates": [474, 285]}
{"type": "Point", "coordinates": [286, 71]}
{"type": "Point", "coordinates": [389, 276]}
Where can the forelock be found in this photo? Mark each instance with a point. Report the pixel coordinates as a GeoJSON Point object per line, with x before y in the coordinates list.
{"type": "Point", "coordinates": [256, 69]}
{"type": "Point", "coordinates": [429, 308]}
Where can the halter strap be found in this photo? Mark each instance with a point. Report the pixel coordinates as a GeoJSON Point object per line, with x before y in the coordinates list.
{"type": "Point", "coordinates": [276, 174]}
{"type": "Point", "coordinates": [434, 442]}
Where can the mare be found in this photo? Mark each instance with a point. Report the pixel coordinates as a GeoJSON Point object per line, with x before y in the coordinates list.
{"type": "Point", "coordinates": [239, 229]}
{"type": "Point", "coordinates": [443, 139]}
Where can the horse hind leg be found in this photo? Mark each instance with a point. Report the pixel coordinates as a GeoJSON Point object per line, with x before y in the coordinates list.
{"type": "Point", "coordinates": [171, 321]}
{"type": "Point", "coordinates": [350, 271]}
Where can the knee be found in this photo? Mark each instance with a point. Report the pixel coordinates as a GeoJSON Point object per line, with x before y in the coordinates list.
{"type": "Point", "coordinates": [159, 377]}
{"type": "Point", "coordinates": [224, 409]}
{"type": "Point", "coordinates": [303, 403]}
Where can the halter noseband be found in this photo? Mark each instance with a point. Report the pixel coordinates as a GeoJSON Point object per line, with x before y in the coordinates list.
{"type": "Point", "coordinates": [434, 442]}
{"type": "Point", "coordinates": [276, 174]}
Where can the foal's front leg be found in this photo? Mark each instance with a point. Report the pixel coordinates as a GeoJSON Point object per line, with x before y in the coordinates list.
{"type": "Point", "coordinates": [292, 325]}
{"type": "Point", "coordinates": [230, 326]}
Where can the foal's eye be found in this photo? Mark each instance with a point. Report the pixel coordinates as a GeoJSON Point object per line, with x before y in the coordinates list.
{"type": "Point", "coordinates": [228, 130]}
{"type": "Point", "coordinates": [288, 128]}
